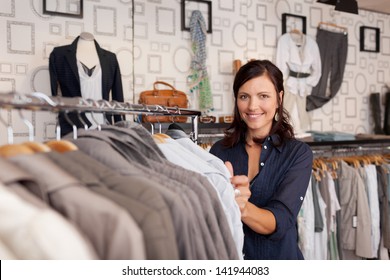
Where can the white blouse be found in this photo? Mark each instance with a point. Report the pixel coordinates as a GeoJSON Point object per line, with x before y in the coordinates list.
{"type": "Point", "coordinates": [302, 56]}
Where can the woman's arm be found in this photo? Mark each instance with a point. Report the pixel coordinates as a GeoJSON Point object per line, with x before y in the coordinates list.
{"type": "Point", "coordinates": [259, 220]}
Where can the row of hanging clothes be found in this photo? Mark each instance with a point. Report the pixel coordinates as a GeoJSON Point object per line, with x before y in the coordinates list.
{"type": "Point", "coordinates": [346, 212]}
{"type": "Point", "coordinates": [116, 192]}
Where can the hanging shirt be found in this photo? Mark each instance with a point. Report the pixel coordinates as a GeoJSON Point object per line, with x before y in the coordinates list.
{"type": "Point", "coordinates": [91, 88]}
{"type": "Point", "coordinates": [301, 56]}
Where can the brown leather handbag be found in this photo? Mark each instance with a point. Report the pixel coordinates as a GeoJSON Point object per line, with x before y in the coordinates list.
{"type": "Point", "coordinates": [166, 97]}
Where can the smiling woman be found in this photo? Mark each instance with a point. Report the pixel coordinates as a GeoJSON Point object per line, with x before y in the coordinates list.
{"type": "Point", "coordinates": [270, 169]}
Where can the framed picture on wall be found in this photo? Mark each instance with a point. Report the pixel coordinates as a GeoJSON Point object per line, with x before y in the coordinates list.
{"type": "Point", "coordinates": [291, 22]}
{"type": "Point", "coordinates": [72, 8]}
{"type": "Point", "coordinates": [369, 39]}
{"type": "Point", "coordinates": [188, 6]}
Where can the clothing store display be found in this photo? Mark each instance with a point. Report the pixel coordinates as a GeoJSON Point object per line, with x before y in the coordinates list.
{"type": "Point", "coordinates": [65, 80]}
{"type": "Point", "coordinates": [216, 172]}
{"type": "Point", "coordinates": [375, 106]}
{"type": "Point", "coordinates": [30, 232]}
{"type": "Point", "coordinates": [45, 233]}
{"type": "Point", "coordinates": [298, 75]}
{"type": "Point", "coordinates": [199, 79]}
{"type": "Point", "coordinates": [110, 229]}
{"type": "Point", "coordinates": [331, 136]}
{"type": "Point", "coordinates": [386, 122]}
{"type": "Point", "coordinates": [371, 182]}
{"type": "Point", "coordinates": [208, 223]}
{"type": "Point", "coordinates": [168, 97]}
{"type": "Point", "coordinates": [133, 193]}
{"type": "Point", "coordinates": [333, 47]}
{"type": "Point", "coordinates": [91, 89]}
{"type": "Point", "coordinates": [189, 241]}
{"type": "Point", "coordinates": [384, 195]}
{"type": "Point", "coordinates": [298, 57]}
{"type": "Point", "coordinates": [328, 192]}
{"type": "Point", "coordinates": [296, 105]}
{"type": "Point", "coordinates": [305, 224]}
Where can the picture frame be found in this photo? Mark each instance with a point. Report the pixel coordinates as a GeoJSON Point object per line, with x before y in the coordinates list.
{"type": "Point", "coordinates": [369, 39]}
{"type": "Point", "coordinates": [293, 22]}
{"type": "Point", "coordinates": [187, 6]}
{"type": "Point", "coordinates": [68, 8]}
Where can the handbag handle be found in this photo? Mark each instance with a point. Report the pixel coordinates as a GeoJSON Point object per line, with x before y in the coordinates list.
{"type": "Point", "coordinates": [163, 83]}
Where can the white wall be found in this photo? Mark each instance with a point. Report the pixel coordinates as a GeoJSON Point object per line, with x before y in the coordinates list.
{"type": "Point", "coordinates": [242, 29]}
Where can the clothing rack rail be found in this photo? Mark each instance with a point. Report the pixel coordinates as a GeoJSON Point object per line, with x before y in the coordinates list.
{"type": "Point", "coordinates": [350, 147]}
{"type": "Point", "coordinates": [38, 101]}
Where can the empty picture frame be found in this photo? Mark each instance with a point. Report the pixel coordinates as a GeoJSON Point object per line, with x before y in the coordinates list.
{"type": "Point", "coordinates": [67, 8]}
{"type": "Point", "coordinates": [369, 39]}
{"type": "Point", "coordinates": [293, 22]}
{"type": "Point", "coordinates": [204, 6]}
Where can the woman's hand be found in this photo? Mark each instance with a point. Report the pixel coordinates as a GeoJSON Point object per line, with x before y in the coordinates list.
{"type": "Point", "coordinates": [241, 187]}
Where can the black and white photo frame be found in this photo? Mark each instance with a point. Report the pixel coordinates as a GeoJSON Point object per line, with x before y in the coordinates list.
{"type": "Point", "coordinates": [72, 8]}
{"type": "Point", "coordinates": [293, 22]}
{"type": "Point", "coordinates": [369, 39]}
{"type": "Point", "coordinates": [204, 6]}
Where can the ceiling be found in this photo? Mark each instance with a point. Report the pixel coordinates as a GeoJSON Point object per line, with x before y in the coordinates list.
{"type": "Point", "coordinates": [378, 6]}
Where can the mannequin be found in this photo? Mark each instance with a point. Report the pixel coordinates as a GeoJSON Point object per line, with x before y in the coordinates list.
{"type": "Point", "coordinates": [84, 69]}
{"type": "Point", "coordinates": [86, 50]}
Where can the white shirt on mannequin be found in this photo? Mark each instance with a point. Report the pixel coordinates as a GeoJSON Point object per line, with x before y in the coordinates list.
{"type": "Point", "coordinates": [90, 84]}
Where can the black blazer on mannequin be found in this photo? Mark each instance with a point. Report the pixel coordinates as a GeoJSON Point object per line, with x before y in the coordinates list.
{"type": "Point", "coordinates": [64, 74]}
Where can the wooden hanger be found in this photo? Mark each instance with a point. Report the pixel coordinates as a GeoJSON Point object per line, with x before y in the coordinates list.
{"type": "Point", "coordinates": [296, 31]}
{"type": "Point", "coordinates": [11, 150]}
{"type": "Point", "coordinates": [158, 138]}
{"type": "Point", "coordinates": [61, 146]}
{"type": "Point", "coordinates": [163, 135]}
{"type": "Point", "coordinates": [37, 147]}
{"type": "Point", "coordinates": [353, 161]}
{"type": "Point", "coordinates": [332, 26]}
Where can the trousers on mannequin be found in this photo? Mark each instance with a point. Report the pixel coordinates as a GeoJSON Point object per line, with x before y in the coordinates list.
{"type": "Point", "coordinates": [386, 125]}
{"type": "Point", "coordinates": [375, 104]}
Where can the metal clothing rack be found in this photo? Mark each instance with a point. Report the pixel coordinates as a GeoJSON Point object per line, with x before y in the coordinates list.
{"type": "Point", "coordinates": [350, 147]}
{"type": "Point", "coordinates": [38, 101]}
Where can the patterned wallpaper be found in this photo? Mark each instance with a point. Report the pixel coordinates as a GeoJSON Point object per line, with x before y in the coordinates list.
{"type": "Point", "coordinates": [151, 46]}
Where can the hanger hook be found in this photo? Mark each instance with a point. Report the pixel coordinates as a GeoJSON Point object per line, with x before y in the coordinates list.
{"type": "Point", "coordinates": [74, 127]}
{"type": "Point", "coordinates": [29, 125]}
{"type": "Point", "coordinates": [10, 132]}
{"type": "Point", "coordinates": [95, 104]}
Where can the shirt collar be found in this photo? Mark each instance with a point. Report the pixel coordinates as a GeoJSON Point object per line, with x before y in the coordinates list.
{"type": "Point", "coordinates": [275, 141]}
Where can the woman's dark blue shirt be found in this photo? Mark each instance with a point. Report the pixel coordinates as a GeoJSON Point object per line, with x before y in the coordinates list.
{"type": "Point", "coordinates": [280, 187]}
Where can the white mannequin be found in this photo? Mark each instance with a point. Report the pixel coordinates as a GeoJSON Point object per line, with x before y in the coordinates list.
{"type": "Point", "coordinates": [90, 86]}
{"type": "Point", "coordinates": [86, 50]}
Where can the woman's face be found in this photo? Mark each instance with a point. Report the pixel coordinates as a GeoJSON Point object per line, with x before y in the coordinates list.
{"type": "Point", "coordinates": [257, 104]}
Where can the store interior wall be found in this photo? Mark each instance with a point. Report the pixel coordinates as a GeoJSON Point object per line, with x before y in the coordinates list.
{"type": "Point", "coordinates": [150, 46]}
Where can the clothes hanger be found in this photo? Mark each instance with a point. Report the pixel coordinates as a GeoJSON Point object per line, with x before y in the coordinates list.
{"type": "Point", "coordinates": [332, 26]}
{"type": "Point", "coordinates": [29, 125]}
{"type": "Point", "coordinates": [10, 131]}
{"type": "Point", "coordinates": [61, 146]}
{"type": "Point", "coordinates": [352, 161]}
{"type": "Point", "coordinates": [10, 150]}
{"type": "Point", "coordinates": [296, 31]}
{"type": "Point", "coordinates": [74, 127]}
{"type": "Point", "coordinates": [163, 135]}
{"type": "Point", "coordinates": [37, 147]}
{"type": "Point", "coordinates": [158, 138]}
{"type": "Point", "coordinates": [85, 125]}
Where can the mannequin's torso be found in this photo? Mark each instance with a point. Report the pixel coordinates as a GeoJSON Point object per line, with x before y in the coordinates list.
{"type": "Point", "coordinates": [86, 50]}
